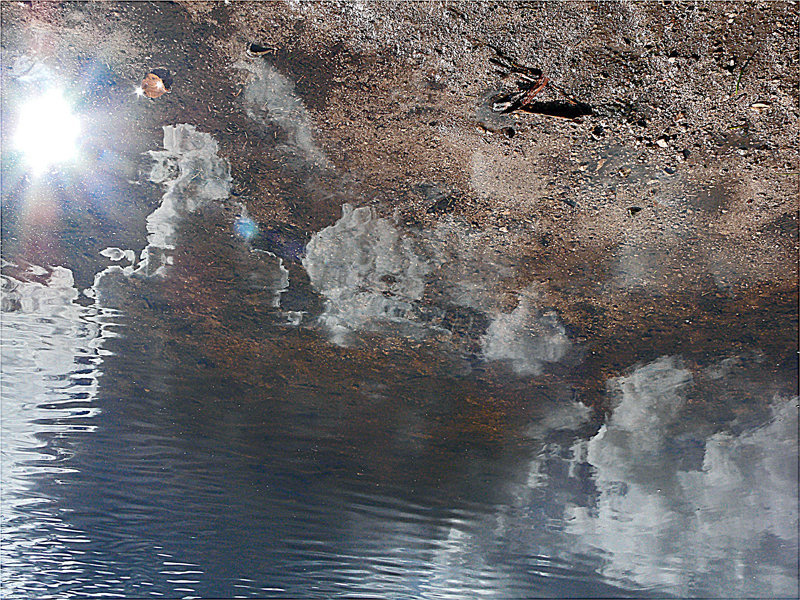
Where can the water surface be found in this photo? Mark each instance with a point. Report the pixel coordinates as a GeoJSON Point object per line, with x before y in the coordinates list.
{"type": "Point", "coordinates": [233, 409]}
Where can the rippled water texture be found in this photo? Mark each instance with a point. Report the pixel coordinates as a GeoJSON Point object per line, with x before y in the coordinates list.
{"type": "Point", "coordinates": [362, 413]}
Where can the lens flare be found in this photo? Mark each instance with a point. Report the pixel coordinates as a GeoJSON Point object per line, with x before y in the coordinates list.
{"type": "Point", "coordinates": [47, 132]}
{"type": "Point", "coordinates": [245, 228]}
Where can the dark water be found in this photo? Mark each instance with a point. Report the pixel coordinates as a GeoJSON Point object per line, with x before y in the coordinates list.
{"type": "Point", "coordinates": [238, 410]}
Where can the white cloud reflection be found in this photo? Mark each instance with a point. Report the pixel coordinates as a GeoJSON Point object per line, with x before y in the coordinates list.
{"type": "Point", "coordinates": [375, 276]}
{"type": "Point", "coordinates": [726, 527]}
{"type": "Point", "coordinates": [367, 271]}
{"type": "Point", "coordinates": [194, 175]}
{"type": "Point", "coordinates": [527, 338]}
{"type": "Point", "coordinates": [270, 99]}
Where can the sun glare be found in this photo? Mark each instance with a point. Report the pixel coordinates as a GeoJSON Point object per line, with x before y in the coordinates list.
{"type": "Point", "coordinates": [47, 131]}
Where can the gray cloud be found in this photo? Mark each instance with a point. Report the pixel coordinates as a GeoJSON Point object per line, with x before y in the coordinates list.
{"type": "Point", "coordinates": [270, 99]}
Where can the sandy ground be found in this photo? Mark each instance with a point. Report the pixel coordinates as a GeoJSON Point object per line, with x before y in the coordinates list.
{"type": "Point", "coordinates": [664, 222]}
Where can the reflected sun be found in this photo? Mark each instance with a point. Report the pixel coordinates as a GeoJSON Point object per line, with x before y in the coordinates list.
{"type": "Point", "coordinates": [47, 132]}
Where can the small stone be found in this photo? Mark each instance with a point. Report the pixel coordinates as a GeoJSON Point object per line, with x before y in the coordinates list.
{"type": "Point", "coordinates": [259, 50]}
{"type": "Point", "coordinates": [155, 84]}
{"type": "Point", "coordinates": [509, 132]}
{"type": "Point", "coordinates": [661, 142]}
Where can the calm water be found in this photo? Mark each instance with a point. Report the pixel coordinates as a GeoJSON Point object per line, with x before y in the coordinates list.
{"type": "Point", "coordinates": [229, 409]}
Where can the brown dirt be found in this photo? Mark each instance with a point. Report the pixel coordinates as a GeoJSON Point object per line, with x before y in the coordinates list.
{"type": "Point", "coordinates": [685, 189]}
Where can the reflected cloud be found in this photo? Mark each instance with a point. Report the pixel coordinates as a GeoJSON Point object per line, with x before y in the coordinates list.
{"type": "Point", "coordinates": [376, 277]}
{"type": "Point", "coordinates": [194, 175]}
{"type": "Point", "coordinates": [649, 401]}
{"type": "Point", "coordinates": [270, 99]}
{"type": "Point", "coordinates": [527, 337]}
{"type": "Point", "coordinates": [662, 520]}
{"type": "Point", "coordinates": [367, 271]}
{"type": "Point", "coordinates": [196, 179]}
{"type": "Point", "coordinates": [651, 502]}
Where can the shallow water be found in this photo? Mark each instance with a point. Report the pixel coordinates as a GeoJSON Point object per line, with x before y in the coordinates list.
{"type": "Point", "coordinates": [228, 412]}
{"type": "Point", "coordinates": [137, 466]}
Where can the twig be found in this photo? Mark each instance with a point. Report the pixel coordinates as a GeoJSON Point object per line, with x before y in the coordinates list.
{"type": "Point", "coordinates": [744, 66]}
